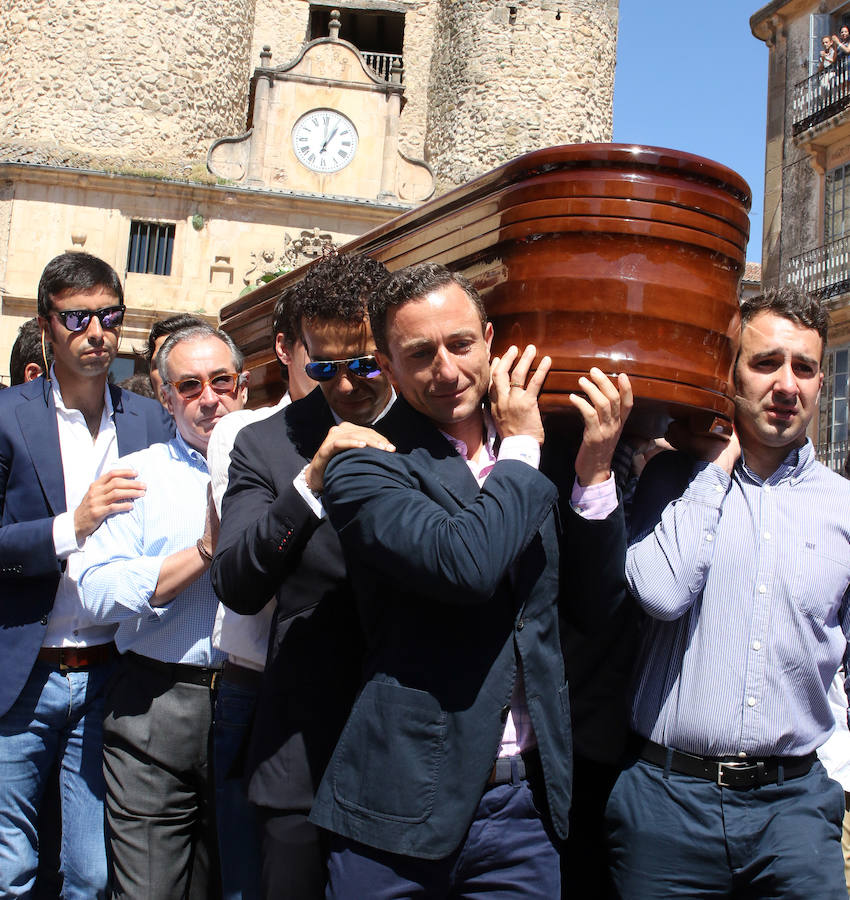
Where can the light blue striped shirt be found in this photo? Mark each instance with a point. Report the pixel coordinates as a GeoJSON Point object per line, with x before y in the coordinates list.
{"type": "Point", "coordinates": [122, 560]}
{"type": "Point", "coordinates": [748, 586]}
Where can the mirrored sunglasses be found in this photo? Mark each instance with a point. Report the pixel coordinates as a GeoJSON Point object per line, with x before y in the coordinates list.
{"type": "Point", "coordinates": [79, 319]}
{"type": "Point", "coordinates": [325, 370]}
{"type": "Point", "coordinates": [225, 383]}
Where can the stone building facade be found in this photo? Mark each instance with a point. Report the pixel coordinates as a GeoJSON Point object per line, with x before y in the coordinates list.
{"type": "Point", "coordinates": [806, 238]}
{"type": "Point", "coordinates": [134, 122]}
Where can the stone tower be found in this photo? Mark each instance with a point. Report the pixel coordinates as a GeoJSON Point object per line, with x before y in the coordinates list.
{"type": "Point", "coordinates": [137, 84]}
{"type": "Point", "coordinates": [507, 78]}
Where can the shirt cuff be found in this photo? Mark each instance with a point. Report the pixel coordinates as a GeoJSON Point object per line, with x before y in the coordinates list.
{"type": "Point", "coordinates": [65, 535]}
{"type": "Point", "coordinates": [521, 447]}
{"type": "Point", "coordinates": [596, 501]}
{"type": "Point", "coordinates": [300, 485]}
{"type": "Point", "coordinates": [709, 485]}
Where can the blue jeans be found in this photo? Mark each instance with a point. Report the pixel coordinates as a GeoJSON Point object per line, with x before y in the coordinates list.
{"type": "Point", "coordinates": [57, 716]}
{"type": "Point", "coordinates": [673, 835]}
{"type": "Point", "coordinates": [236, 818]}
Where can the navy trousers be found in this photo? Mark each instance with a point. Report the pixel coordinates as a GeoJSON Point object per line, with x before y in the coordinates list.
{"type": "Point", "coordinates": [673, 835]}
{"type": "Point", "coordinates": [509, 851]}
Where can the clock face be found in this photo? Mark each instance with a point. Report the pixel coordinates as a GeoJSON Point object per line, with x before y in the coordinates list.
{"type": "Point", "coordinates": [324, 140]}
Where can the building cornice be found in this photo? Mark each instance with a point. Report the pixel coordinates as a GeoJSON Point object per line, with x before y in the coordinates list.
{"type": "Point", "coordinates": [138, 185]}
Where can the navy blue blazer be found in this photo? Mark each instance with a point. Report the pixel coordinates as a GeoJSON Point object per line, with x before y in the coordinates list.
{"type": "Point", "coordinates": [32, 493]}
{"type": "Point", "coordinates": [454, 585]}
{"type": "Point", "coordinates": [271, 543]}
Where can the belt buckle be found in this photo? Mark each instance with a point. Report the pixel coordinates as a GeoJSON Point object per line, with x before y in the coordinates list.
{"type": "Point", "coordinates": [216, 677]}
{"type": "Point", "coordinates": [734, 765]}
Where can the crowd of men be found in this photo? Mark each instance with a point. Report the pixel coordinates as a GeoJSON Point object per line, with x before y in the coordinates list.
{"type": "Point", "coordinates": [394, 638]}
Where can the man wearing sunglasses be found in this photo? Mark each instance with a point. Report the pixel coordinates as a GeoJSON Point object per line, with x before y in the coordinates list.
{"type": "Point", "coordinates": [452, 776]}
{"type": "Point", "coordinates": [146, 572]}
{"type": "Point", "coordinates": [276, 541]}
{"type": "Point", "coordinates": [60, 478]}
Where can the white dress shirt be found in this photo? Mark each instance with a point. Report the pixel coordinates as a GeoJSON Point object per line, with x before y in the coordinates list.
{"type": "Point", "coordinates": [84, 459]}
{"type": "Point", "coordinates": [245, 639]}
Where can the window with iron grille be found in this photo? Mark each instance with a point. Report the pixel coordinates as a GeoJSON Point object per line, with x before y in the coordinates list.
{"type": "Point", "coordinates": [833, 425]}
{"type": "Point", "coordinates": [151, 248]}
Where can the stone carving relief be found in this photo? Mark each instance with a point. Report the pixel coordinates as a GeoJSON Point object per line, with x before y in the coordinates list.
{"type": "Point", "coordinates": [268, 263]}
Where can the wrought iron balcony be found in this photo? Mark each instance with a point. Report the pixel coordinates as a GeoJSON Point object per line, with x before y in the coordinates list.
{"type": "Point", "coordinates": [833, 455]}
{"type": "Point", "coordinates": [824, 271]}
{"type": "Point", "coordinates": [821, 95]}
{"type": "Point", "coordinates": [381, 63]}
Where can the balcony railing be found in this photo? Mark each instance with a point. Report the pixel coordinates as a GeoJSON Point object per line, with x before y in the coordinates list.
{"type": "Point", "coordinates": [833, 455]}
{"type": "Point", "coordinates": [382, 63]}
{"type": "Point", "coordinates": [821, 95]}
{"type": "Point", "coordinates": [824, 271]}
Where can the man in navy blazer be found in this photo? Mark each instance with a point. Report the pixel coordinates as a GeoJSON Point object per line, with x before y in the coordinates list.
{"type": "Point", "coordinates": [59, 439]}
{"type": "Point", "coordinates": [452, 775]}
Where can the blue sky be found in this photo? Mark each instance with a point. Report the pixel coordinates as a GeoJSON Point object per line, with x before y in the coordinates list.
{"type": "Point", "coordinates": [692, 77]}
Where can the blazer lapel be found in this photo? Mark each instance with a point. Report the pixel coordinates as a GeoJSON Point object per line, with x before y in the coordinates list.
{"type": "Point", "coordinates": [308, 422]}
{"type": "Point", "coordinates": [40, 431]}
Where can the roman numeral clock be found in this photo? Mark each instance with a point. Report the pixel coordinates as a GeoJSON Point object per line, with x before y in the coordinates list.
{"type": "Point", "coordinates": [324, 140]}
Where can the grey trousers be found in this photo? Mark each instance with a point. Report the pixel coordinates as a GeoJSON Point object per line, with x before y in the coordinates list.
{"type": "Point", "coordinates": [159, 807]}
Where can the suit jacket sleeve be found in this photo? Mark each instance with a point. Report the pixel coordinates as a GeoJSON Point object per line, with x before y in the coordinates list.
{"type": "Point", "coordinates": [265, 524]}
{"type": "Point", "coordinates": [377, 503]}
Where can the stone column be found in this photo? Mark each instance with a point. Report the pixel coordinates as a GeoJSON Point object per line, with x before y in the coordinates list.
{"type": "Point", "coordinates": [389, 169]}
{"type": "Point", "coordinates": [259, 129]}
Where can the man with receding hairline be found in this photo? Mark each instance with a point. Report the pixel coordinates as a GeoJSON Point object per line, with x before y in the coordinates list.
{"type": "Point", "coordinates": [452, 775]}
{"type": "Point", "coordinates": [741, 562]}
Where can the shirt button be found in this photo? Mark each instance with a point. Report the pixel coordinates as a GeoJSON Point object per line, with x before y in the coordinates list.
{"type": "Point", "coordinates": [742, 754]}
{"type": "Point", "coordinates": [767, 535]}
{"type": "Point", "coordinates": [44, 620]}
{"type": "Point", "coordinates": [520, 625]}
{"type": "Point", "coordinates": [751, 701]}
{"type": "Point", "coordinates": [719, 489]}
{"type": "Point", "coordinates": [756, 645]}
{"type": "Point", "coordinates": [767, 488]}
{"type": "Point", "coordinates": [762, 589]}
{"type": "Point", "coordinates": [709, 538]}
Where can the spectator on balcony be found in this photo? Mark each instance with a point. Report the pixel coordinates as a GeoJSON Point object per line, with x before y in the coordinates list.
{"type": "Point", "coordinates": [827, 54]}
{"type": "Point", "coordinates": [841, 44]}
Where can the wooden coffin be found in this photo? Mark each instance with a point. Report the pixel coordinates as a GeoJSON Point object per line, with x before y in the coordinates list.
{"type": "Point", "coordinates": [624, 257]}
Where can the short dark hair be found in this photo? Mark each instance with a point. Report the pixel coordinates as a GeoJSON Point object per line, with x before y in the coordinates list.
{"type": "Point", "coordinates": [338, 286]}
{"type": "Point", "coordinates": [197, 333]}
{"type": "Point", "coordinates": [77, 271]}
{"type": "Point", "coordinates": [166, 327]}
{"type": "Point", "coordinates": [283, 317]}
{"type": "Point", "coordinates": [28, 349]}
{"type": "Point", "coordinates": [413, 283]}
{"type": "Point", "coordinates": [789, 303]}
{"type": "Point", "coordinates": [138, 383]}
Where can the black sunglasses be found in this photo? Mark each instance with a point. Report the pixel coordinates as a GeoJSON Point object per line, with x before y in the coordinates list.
{"type": "Point", "coordinates": [79, 319]}
{"type": "Point", "coordinates": [325, 370]}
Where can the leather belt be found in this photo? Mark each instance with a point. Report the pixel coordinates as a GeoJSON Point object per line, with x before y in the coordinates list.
{"type": "Point", "coordinates": [729, 772]}
{"type": "Point", "coordinates": [241, 676]}
{"type": "Point", "coordinates": [178, 672]}
{"type": "Point", "coordinates": [77, 657]}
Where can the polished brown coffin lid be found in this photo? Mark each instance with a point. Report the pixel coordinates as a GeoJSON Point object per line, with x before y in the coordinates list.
{"type": "Point", "coordinates": [619, 256]}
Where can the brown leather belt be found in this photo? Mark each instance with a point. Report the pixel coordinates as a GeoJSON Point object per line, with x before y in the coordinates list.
{"type": "Point", "coordinates": [77, 657]}
{"type": "Point", "coordinates": [733, 772]}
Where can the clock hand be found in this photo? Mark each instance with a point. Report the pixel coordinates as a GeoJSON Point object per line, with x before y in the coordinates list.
{"type": "Point", "coordinates": [330, 137]}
